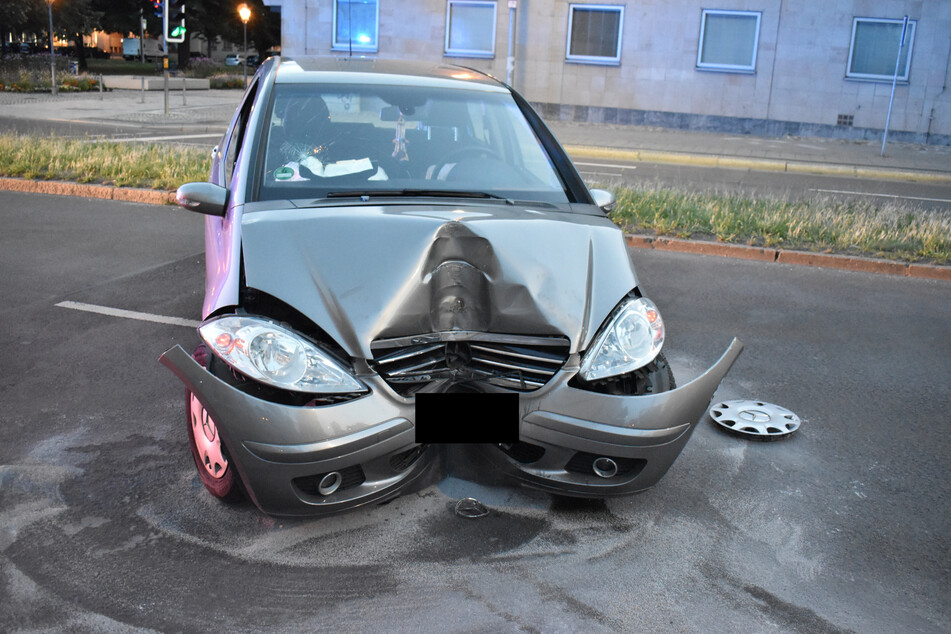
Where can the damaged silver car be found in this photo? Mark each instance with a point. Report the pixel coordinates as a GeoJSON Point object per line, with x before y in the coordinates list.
{"type": "Point", "coordinates": [389, 242]}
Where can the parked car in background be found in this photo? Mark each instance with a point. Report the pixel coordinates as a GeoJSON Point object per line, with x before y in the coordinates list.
{"type": "Point", "coordinates": [253, 61]}
{"type": "Point", "coordinates": [133, 49]}
{"type": "Point", "coordinates": [402, 255]}
{"type": "Point", "coordinates": [233, 59]}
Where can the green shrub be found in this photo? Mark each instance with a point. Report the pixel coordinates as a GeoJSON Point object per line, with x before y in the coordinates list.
{"type": "Point", "coordinates": [227, 81]}
{"type": "Point", "coordinates": [203, 67]}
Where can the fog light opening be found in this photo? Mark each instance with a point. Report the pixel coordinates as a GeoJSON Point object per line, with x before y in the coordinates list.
{"type": "Point", "coordinates": [604, 467]}
{"type": "Point", "coordinates": [330, 483]}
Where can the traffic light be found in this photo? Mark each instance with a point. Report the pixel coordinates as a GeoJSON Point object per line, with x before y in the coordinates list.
{"type": "Point", "coordinates": [158, 7]}
{"type": "Point", "coordinates": [174, 20]}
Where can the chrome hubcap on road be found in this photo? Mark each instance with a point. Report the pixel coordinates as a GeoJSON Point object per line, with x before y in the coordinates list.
{"type": "Point", "coordinates": [755, 419]}
{"type": "Point", "coordinates": [206, 440]}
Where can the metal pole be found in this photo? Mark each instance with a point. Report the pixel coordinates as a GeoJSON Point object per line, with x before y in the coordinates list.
{"type": "Point", "coordinates": [142, 99]}
{"type": "Point", "coordinates": [510, 60]}
{"type": "Point", "coordinates": [100, 87]}
{"type": "Point", "coordinates": [52, 50]}
{"type": "Point", "coordinates": [891, 100]}
{"type": "Point", "coordinates": [244, 66]}
{"type": "Point", "coordinates": [165, 55]}
{"type": "Point", "coordinates": [141, 37]}
{"type": "Point", "coordinates": [183, 89]}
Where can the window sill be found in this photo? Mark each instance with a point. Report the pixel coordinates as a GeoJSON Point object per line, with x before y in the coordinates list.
{"type": "Point", "coordinates": [356, 49]}
{"type": "Point", "coordinates": [877, 80]}
{"type": "Point", "coordinates": [473, 54]}
{"type": "Point", "coordinates": [593, 62]}
{"type": "Point", "coordinates": [722, 69]}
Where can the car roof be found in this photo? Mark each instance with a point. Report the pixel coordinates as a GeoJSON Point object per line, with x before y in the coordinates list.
{"type": "Point", "coordinates": [340, 69]}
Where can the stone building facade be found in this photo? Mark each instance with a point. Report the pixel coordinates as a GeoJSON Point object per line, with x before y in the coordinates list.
{"type": "Point", "coordinates": [770, 67]}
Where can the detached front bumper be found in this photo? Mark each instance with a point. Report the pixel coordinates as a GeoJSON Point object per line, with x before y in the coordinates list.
{"type": "Point", "coordinates": [564, 432]}
{"type": "Point", "coordinates": [281, 452]}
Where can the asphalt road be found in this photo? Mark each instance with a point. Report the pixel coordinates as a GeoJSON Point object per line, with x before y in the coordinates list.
{"type": "Point", "coordinates": [104, 525]}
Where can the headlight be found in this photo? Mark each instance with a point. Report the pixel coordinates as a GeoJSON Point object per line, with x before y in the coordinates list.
{"type": "Point", "coordinates": [267, 352]}
{"type": "Point", "coordinates": [631, 340]}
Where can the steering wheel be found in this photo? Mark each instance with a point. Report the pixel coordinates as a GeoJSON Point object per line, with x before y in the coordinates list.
{"type": "Point", "coordinates": [461, 153]}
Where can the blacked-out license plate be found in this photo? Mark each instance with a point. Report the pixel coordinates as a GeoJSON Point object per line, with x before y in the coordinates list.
{"type": "Point", "coordinates": [466, 418]}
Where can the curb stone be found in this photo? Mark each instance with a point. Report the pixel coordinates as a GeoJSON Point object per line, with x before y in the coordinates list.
{"type": "Point", "coordinates": [799, 258]}
{"type": "Point", "coordinates": [106, 192]}
{"type": "Point", "coordinates": [659, 243]}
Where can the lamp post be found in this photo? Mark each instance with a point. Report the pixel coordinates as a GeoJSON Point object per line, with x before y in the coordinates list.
{"type": "Point", "coordinates": [52, 50]}
{"type": "Point", "coordinates": [245, 14]}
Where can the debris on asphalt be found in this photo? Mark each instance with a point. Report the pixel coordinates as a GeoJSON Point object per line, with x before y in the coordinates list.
{"type": "Point", "coordinates": [471, 508]}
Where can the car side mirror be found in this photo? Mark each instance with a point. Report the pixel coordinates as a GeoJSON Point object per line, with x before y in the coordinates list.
{"type": "Point", "coordinates": [204, 198]}
{"type": "Point", "coordinates": [604, 199]}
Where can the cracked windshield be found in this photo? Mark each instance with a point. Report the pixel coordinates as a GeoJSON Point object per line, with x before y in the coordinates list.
{"type": "Point", "coordinates": [333, 140]}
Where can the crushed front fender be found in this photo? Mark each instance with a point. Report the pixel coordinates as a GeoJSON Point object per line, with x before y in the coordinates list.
{"type": "Point", "coordinates": [282, 451]}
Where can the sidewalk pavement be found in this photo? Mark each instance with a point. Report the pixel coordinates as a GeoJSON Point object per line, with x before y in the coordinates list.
{"type": "Point", "coordinates": [208, 111]}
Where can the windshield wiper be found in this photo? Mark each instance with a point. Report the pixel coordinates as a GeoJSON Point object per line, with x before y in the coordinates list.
{"type": "Point", "coordinates": [429, 193]}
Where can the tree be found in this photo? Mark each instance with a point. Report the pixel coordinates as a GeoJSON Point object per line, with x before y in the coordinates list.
{"type": "Point", "coordinates": [122, 16]}
{"type": "Point", "coordinates": [21, 16]}
{"type": "Point", "coordinates": [76, 18]}
{"type": "Point", "coordinates": [266, 30]}
{"type": "Point", "coordinates": [210, 19]}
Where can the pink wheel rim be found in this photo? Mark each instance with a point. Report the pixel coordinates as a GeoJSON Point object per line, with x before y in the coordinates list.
{"type": "Point", "coordinates": [207, 441]}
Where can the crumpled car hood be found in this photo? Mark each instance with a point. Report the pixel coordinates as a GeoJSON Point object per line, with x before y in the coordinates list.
{"type": "Point", "coordinates": [364, 273]}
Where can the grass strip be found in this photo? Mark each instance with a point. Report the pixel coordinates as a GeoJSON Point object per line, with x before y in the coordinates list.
{"type": "Point", "coordinates": [146, 165]}
{"type": "Point", "coordinates": [889, 231]}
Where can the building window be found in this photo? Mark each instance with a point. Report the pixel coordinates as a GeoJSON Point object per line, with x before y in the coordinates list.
{"type": "Point", "coordinates": [594, 33]}
{"type": "Point", "coordinates": [728, 40]}
{"type": "Point", "coordinates": [470, 28]}
{"type": "Point", "coordinates": [874, 49]}
{"type": "Point", "coordinates": [356, 25]}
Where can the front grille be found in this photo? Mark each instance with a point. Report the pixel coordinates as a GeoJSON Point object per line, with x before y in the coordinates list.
{"type": "Point", "coordinates": [516, 363]}
{"type": "Point", "coordinates": [523, 452]}
{"type": "Point", "coordinates": [403, 461]}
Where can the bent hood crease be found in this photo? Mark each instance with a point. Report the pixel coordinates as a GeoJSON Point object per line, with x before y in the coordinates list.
{"type": "Point", "coordinates": [363, 273]}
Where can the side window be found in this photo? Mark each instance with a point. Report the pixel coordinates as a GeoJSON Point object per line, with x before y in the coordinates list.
{"type": "Point", "coordinates": [470, 28]}
{"type": "Point", "coordinates": [594, 33]}
{"type": "Point", "coordinates": [237, 137]}
{"type": "Point", "coordinates": [356, 25]}
{"type": "Point", "coordinates": [728, 40]}
{"type": "Point", "coordinates": [875, 46]}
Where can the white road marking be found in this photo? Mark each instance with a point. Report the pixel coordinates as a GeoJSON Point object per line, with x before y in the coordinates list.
{"type": "Point", "coordinates": [586, 174]}
{"type": "Point", "coordinates": [130, 314]}
{"type": "Point", "coordinates": [622, 167]}
{"type": "Point", "coordinates": [116, 124]}
{"type": "Point", "coordinates": [839, 191]}
{"type": "Point", "coordinates": [174, 137]}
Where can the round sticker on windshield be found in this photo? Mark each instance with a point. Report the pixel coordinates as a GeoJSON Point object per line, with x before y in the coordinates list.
{"type": "Point", "coordinates": [283, 173]}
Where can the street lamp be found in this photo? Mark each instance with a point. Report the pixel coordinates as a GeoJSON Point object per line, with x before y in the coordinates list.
{"type": "Point", "coordinates": [245, 14]}
{"type": "Point", "coordinates": [52, 50]}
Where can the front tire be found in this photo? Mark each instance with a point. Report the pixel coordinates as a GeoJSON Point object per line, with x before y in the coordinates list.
{"type": "Point", "coordinates": [215, 468]}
